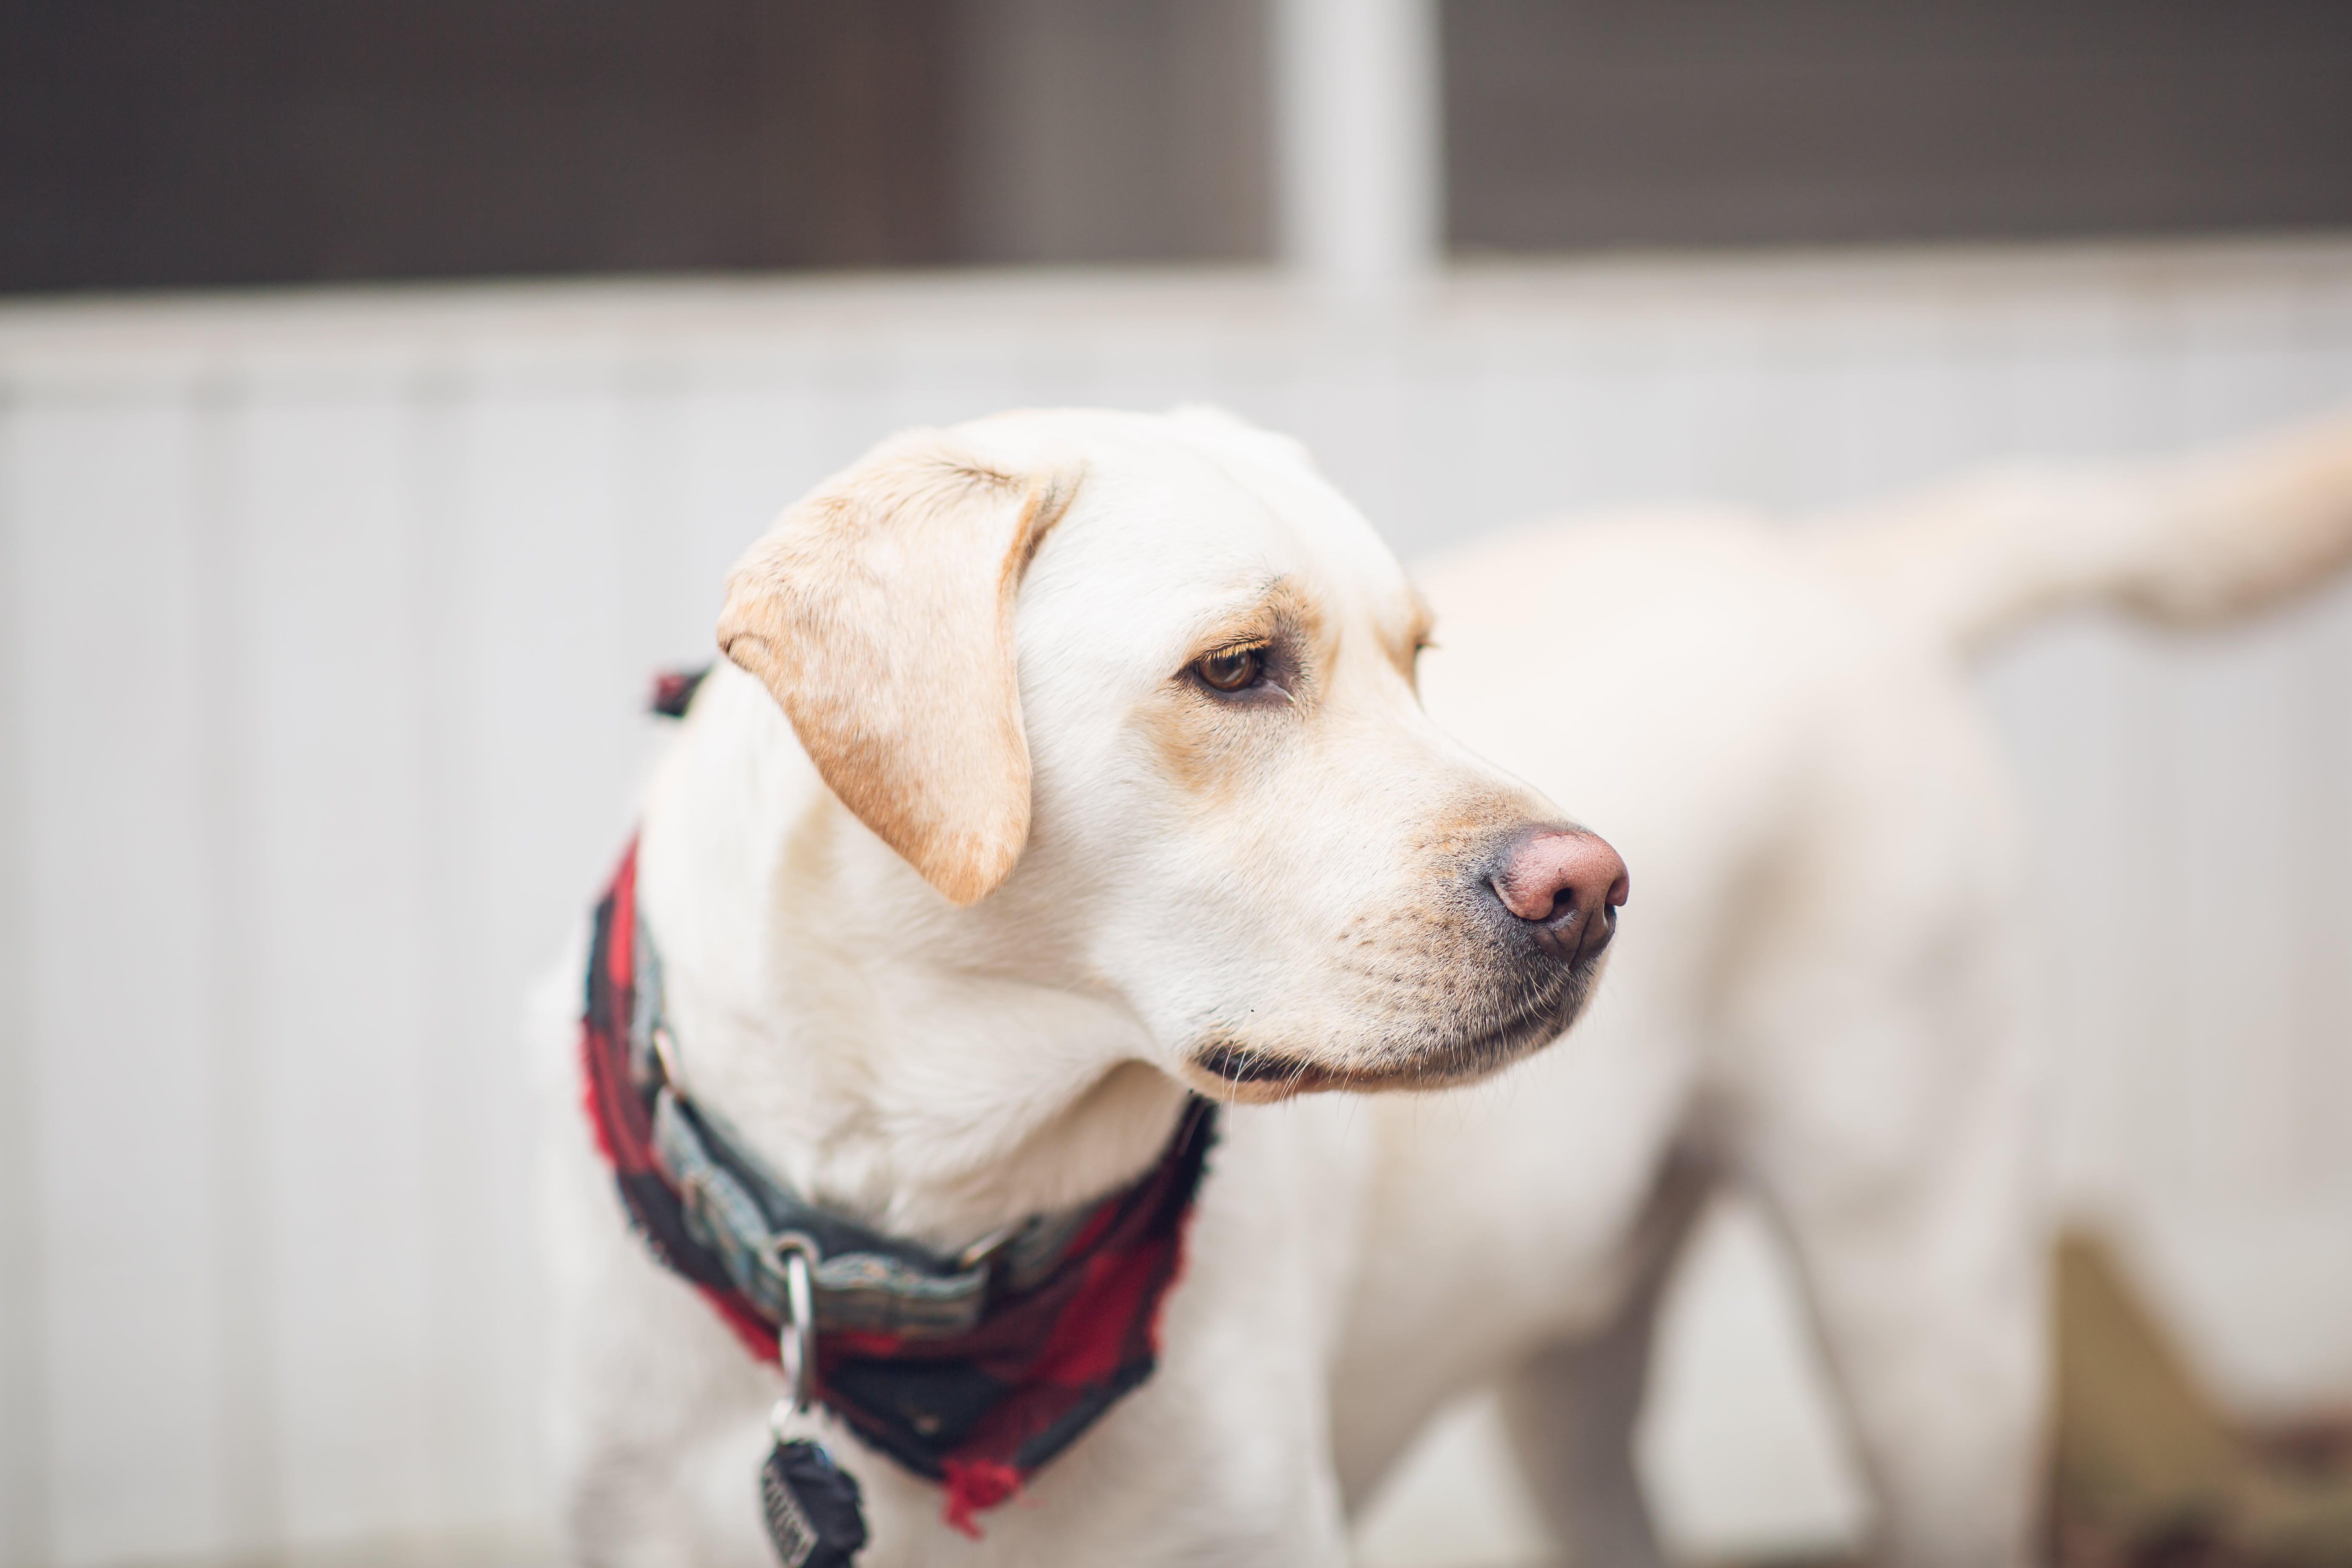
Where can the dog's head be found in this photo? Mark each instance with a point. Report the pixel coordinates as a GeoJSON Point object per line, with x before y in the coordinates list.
{"type": "Point", "coordinates": [1136, 696]}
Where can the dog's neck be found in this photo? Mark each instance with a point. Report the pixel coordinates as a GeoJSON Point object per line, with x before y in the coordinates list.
{"type": "Point", "coordinates": [933, 1074]}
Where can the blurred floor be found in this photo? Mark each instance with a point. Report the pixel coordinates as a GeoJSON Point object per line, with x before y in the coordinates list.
{"type": "Point", "coordinates": [502, 1548]}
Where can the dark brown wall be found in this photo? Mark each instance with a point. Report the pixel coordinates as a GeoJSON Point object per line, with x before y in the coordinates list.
{"type": "Point", "coordinates": [1577, 124]}
{"type": "Point", "coordinates": [193, 141]}
{"type": "Point", "coordinates": [174, 142]}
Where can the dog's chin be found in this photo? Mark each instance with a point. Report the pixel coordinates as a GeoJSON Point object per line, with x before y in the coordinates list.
{"type": "Point", "coordinates": [1230, 1067]}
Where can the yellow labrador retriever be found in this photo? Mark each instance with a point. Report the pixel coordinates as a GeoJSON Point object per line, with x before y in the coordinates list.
{"type": "Point", "coordinates": [1071, 772]}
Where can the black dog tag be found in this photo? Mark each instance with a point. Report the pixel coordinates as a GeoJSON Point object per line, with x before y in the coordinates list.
{"type": "Point", "coordinates": [816, 1515]}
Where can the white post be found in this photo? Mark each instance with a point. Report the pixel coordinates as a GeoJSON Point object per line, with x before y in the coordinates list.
{"type": "Point", "coordinates": [1358, 169]}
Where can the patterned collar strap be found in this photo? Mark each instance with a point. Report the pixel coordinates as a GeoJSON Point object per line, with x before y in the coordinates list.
{"type": "Point", "coordinates": [972, 1370]}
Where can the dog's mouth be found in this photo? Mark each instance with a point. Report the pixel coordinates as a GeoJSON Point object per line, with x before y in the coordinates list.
{"type": "Point", "coordinates": [1228, 1065]}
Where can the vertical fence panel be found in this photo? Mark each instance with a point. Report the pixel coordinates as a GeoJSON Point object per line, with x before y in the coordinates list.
{"type": "Point", "coordinates": [330, 669]}
{"type": "Point", "coordinates": [121, 870]}
{"type": "Point", "coordinates": [23, 1352]}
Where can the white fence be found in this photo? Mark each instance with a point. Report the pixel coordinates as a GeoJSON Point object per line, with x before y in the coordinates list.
{"type": "Point", "coordinates": [326, 621]}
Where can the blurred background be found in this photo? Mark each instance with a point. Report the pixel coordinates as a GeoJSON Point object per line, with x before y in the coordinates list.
{"type": "Point", "coordinates": [385, 388]}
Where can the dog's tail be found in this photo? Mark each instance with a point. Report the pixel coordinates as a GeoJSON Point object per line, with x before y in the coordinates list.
{"type": "Point", "coordinates": [2192, 540]}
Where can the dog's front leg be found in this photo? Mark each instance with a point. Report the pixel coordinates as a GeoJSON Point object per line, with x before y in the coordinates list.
{"type": "Point", "coordinates": [1926, 1284]}
{"type": "Point", "coordinates": [1888, 1122]}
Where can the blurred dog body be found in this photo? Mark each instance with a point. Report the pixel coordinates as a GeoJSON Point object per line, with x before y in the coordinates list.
{"type": "Point", "coordinates": [1818, 995]}
{"type": "Point", "coordinates": [965, 878]}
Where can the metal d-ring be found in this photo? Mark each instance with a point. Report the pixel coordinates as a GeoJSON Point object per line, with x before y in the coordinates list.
{"type": "Point", "coordinates": [665, 1055]}
{"type": "Point", "coordinates": [796, 1253]}
{"type": "Point", "coordinates": [985, 1249]}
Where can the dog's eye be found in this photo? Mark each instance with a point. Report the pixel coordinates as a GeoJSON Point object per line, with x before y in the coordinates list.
{"type": "Point", "coordinates": [1232, 668]}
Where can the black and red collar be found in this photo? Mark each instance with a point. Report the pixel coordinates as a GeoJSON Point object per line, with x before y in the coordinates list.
{"type": "Point", "coordinates": [973, 1370]}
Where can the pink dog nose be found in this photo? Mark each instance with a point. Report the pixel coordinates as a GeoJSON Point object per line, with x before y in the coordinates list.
{"type": "Point", "coordinates": [1568, 884]}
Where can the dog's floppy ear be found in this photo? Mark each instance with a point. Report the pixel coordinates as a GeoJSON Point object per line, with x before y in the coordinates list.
{"type": "Point", "coordinates": [879, 612]}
